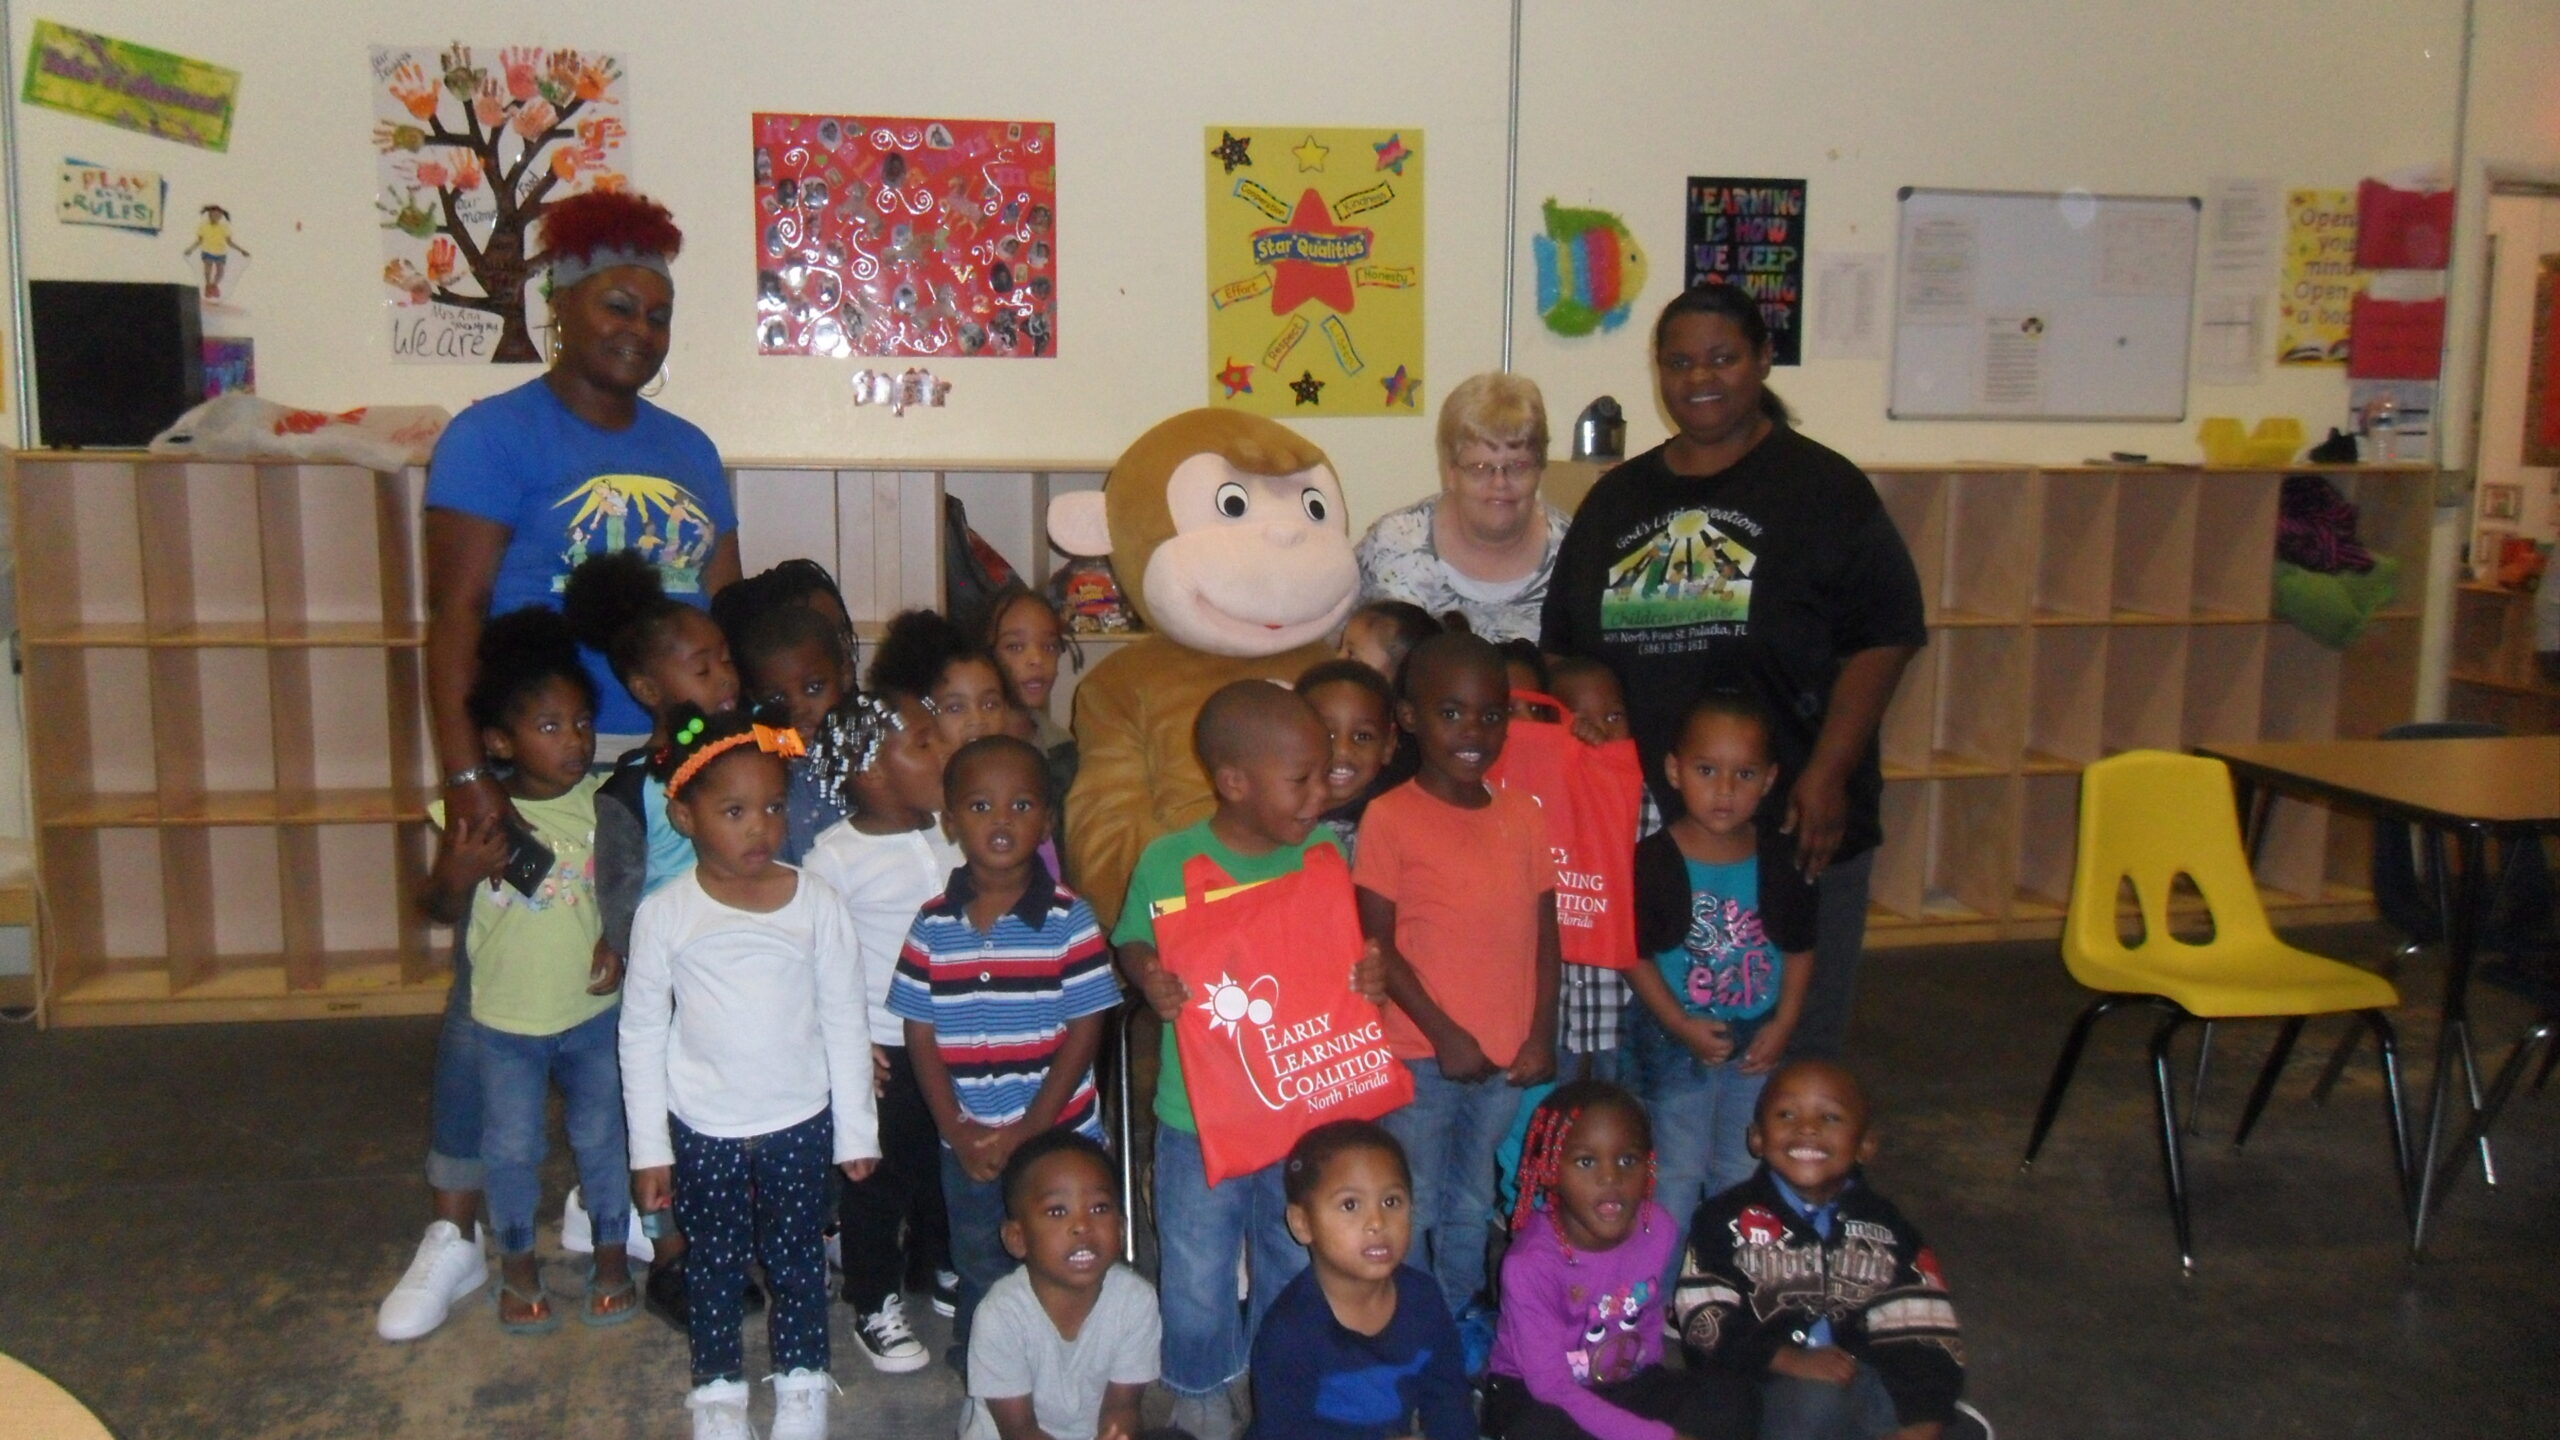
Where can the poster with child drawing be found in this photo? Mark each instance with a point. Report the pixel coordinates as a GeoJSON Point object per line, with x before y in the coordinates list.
{"type": "Point", "coordinates": [473, 144]}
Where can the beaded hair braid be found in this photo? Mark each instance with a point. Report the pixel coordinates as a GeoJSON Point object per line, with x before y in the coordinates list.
{"type": "Point", "coordinates": [849, 740]}
{"type": "Point", "coordinates": [1542, 1152]}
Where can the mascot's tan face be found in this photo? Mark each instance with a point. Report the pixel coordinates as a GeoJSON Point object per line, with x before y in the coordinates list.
{"type": "Point", "coordinates": [1257, 564]}
{"type": "Point", "coordinates": [1227, 531]}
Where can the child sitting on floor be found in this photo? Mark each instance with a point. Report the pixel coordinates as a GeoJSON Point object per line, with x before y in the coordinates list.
{"type": "Point", "coordinates": [1360, 1346]}
{"type": "Point", "coordinates": [1579, 1355]}
{"type": "Point", "coordinates": [1805, 1281]}
{"type": "Point", "coordinates": [1002, 986]}
{"type": "Point", "coordinates": [746, 1067]}
{"type": "Point", "coordinates": [543, 991]}
{"type": "Point", "coordinates": [1065, 1346]}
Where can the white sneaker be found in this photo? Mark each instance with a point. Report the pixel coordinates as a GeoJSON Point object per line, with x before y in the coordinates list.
{"type": "Point", "coordinates": [800, 1404]}
{"type": "Point", "coordinates": [446, 1268]}
{"type": "Point", "coordinates": [578, 1231]}
{"type": "Point", "coordinates": [720, 1411]}
{"type": "Point", "coordinates": [1205, 1417]}
{"type": "Point", "coordinates": [887, 1343]}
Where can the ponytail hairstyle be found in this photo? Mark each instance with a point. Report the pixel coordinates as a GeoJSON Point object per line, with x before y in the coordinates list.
{"type": "Point", "coordinates": [696, 742]}
{"type": "Point", "coordinates": [616, 603]}
{"type": "Point", "coordinates": [519, 653]}
{"type": "Point", "coordinates": [1542, 1153]}
{"type": "Point", "coordinates": [1715, 297]}
{"type": "Point", "coordinates": [918, 649]}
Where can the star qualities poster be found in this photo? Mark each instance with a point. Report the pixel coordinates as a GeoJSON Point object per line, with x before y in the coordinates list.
{"type": "Point", "coordinates": [1315, 270]}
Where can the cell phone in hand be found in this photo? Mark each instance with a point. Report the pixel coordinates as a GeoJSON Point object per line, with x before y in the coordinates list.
{"type": "Point", "coordinates": [528, 859]}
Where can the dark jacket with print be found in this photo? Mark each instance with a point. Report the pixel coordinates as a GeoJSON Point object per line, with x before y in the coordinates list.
{"type": "Point", "coordinates": [1756, 1277]}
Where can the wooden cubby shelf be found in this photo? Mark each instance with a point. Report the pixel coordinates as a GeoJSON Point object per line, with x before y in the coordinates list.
{"type": "Point", "coordinates": [2493, 673]}
{"type": "Point", "coordinates": [2080, 611]}
{"type": "Point", "coordinates": [226, 731]}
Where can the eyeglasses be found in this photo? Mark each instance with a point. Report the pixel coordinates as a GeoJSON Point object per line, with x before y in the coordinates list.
{"type": "Point", "coordinates": [1515, 470]}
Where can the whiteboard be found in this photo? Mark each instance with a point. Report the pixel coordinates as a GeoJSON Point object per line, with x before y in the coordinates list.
{"type": "Point", "coordinates": [2042, 306]}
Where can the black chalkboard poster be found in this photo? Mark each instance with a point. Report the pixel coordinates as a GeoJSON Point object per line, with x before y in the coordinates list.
{"type": "Point", "coordinates": [1750, 233]}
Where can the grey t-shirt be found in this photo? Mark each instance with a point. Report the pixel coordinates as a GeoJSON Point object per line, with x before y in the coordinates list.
{"type": "Point", "coordinates": [1014, 1350]}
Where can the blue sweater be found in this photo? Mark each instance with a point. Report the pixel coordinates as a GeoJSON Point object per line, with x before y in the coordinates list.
{"type": "Point", "coordinates": [1315, 1378]}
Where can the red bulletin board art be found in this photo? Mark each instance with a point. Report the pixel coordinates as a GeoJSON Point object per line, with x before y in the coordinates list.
{"type": "Point", "coordinates": [891, 237]}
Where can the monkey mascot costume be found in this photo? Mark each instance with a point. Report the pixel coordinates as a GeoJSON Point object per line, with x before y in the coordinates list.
{"type": "Point", "coordinates": [1229, 536]}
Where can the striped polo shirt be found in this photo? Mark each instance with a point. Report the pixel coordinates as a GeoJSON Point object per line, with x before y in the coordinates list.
{"type": "Point", "coordinates": [999, 1000]}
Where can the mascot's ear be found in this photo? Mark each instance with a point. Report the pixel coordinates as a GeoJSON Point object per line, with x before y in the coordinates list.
{"type": "Point", "coordinates": [1080, 524]}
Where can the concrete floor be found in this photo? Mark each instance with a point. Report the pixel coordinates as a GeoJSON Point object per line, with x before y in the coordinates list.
{"type": "Point", "coordinates": [195, 1225]}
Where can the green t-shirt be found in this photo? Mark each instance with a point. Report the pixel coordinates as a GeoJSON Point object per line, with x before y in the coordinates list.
{"type": "Point", "coordinates": [1158, 877]}
{"type": "Point", "coordinates": [530, 955]}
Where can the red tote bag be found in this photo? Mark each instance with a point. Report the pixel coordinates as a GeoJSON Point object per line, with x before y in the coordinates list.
{"type": "Point", "coordinates": [1274, 1042]}
{"type": "Point", "coordinates": [1591, 796]}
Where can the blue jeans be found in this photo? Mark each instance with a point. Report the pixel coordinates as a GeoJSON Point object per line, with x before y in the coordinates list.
{"type": "Point", "coordinates": [976, 1212]}
{"type": "Point", "coordinates": [1199, 1229]}
{"type": "Point", "coordinates": [516, 1075]}
{"type": "Point", "coordinates": [762, 1198]}
{"type": "Point", "coordinates": [453, 1113]}
{"type": "Point", "coordinates": [1701, 1115]}
{"type": "Point", "coordinates": [1792, 1409]}
{"type": "Point", "coordinates": [1451, 1134]}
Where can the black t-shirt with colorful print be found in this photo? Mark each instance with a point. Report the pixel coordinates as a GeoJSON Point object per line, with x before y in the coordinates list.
{"type": "Point", "coordinates": [1760, 579]}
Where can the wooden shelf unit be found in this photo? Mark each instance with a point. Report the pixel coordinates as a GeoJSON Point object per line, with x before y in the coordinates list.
{"type": "Point", "coordinates": [225, 738]}
{"type": "Point", "coordinates": [2080, 611]}
{"type": "Point", "coordinates": [2493, 675]}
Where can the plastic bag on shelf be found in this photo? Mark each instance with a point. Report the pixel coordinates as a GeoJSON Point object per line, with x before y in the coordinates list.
{"type": "Point", "coordinates": [245, 427]}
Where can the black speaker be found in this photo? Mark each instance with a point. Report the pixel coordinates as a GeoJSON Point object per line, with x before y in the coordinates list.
{"type": "Point", "coordinates": [115, 362]}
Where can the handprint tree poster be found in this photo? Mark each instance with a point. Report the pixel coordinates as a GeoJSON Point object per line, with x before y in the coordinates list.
{"type": "Point", "coordinates": [474, 144]}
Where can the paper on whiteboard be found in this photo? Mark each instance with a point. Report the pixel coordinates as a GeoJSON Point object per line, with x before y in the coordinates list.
{"type": "Point", "coordinates": [2231, 343]}
{"type": "Point", "coordinates": [2142, 253]}
{"type": "Point", "coordinates": [1847, 293]}
{"type": "Point", "coordinates": [1939, 264]}
{"type": "Point", "coordinates": [2243, 219]}
{"type": "Point", "coordinates": [2013, 362]}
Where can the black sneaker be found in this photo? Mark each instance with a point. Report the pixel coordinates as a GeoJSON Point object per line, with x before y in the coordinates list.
{"type": "Point", "coordinates": [946, 1293]}
{"type": "Point", "coordinates": [1969, 1424]}
{"type": "Point", "coordinates": [887, 1343]}
{"type": "Point", "coordinates": [666, 1290]}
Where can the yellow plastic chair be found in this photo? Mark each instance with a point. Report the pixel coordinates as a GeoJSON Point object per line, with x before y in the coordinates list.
{"type": "Point", "coordinates": [2148, 816]}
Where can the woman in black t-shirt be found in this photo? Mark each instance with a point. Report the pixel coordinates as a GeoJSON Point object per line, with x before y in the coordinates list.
{"type": "Point", "coordinates": [1741, 556]}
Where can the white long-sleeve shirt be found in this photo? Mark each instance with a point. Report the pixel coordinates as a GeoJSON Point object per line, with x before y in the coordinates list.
{"type": "Point", "coordinates": [885, 880]}
{"type": "Point", "coordinates": [741, 1024]}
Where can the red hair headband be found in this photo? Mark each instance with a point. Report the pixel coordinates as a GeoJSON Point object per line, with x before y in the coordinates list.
{"type": "Point", "coordinates": [783, 741]}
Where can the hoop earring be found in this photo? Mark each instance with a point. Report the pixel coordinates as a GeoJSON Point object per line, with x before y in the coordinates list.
{"type": "Point", "coordinates": [656, 383]}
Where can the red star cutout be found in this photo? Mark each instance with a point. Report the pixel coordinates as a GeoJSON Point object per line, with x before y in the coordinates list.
{"type": "Point", "coordinates": [1295, 282]}
{"type": "Point", "coordinates": [1237, 378]}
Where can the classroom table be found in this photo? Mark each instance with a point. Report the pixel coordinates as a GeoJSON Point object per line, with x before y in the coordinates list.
{"type": "Point", "coordinates": [2468, 790]}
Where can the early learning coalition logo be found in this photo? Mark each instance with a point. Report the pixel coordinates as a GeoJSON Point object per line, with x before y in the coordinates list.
{"type": "Point", "coordinates": [1310, 1064]}
{"type": "Point", "coordinates": [1688, 572]}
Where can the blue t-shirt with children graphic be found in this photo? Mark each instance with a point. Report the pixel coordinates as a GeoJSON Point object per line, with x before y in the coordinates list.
{"type": "Point", "coordinates": [1726, 967]}
{"type": "Point", "coordinates": [566, 490]}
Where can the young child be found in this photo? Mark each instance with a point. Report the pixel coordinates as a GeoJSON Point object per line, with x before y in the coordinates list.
{"type": "Point", "coordinates": [1029, 641]}
{"type": "Point", "coordinates": [1002, 988]}
{"type": "Point", "coordinates": [800, 582]}
{"type": "Point", "coordinates": [667, 654]}
{"type": "Point", "coordinates": [924, 653]}
{"type": "Point", "coordinates": [1358, 708]}
{"type": "Point", "coordinates": [1807, 1283]}
{"type": "Point", "coordinates": [1579, 1354]}
{"type": "Point", "coordinates": [792, 659]}
{"type": "Point", "coordinates": [884, 759]}
{"type": "Point", "coordinates": [1065, 1346]}
{"type": "Point", "coordinates": [1264, 751]}
{"type": "Point", "coordinates": [1527, 670]}
{"type": "Point", "coordinates": [746, 1068]}
{"type": "Point", "coordinates": [1381, 633]}
{"type": "Point", "coordinates": [542, 990]}
{"type": "Point", "coordinates": [1729, 939]}
{"type": "Point", "coordinates": [1359, 1346]}
{"type": "Point", "coordinates": [1593, 998]}
{"type": "Point", "coordinates": [1457, 885]}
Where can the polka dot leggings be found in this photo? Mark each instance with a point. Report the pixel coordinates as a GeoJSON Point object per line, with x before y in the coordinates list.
{"type": "Point", "coordinates": [766, 1198]}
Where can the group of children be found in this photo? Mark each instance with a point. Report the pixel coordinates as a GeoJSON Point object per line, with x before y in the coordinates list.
{"type": "Point", "coordinates": [813, 927]}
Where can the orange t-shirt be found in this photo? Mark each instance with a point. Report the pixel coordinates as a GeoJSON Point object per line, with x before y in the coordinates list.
{"type": "Point", "coordinates": [1466, 886]}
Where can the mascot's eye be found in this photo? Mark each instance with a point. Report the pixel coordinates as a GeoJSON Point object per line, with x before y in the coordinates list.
{"type": "Point", "coordinates": [1230, 500]}
{"type": "Point", "coordinates": [1313, 499]}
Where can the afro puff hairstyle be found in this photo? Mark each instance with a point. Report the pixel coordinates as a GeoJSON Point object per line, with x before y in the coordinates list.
{"type": "Point", "coordinates": [609, 220]}
{"type": "Point", "coordinates": [520, 652]}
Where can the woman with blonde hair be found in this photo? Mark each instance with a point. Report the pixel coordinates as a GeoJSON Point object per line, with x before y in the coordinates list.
{"type": "Point", "coordinates": [1485, 544]}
